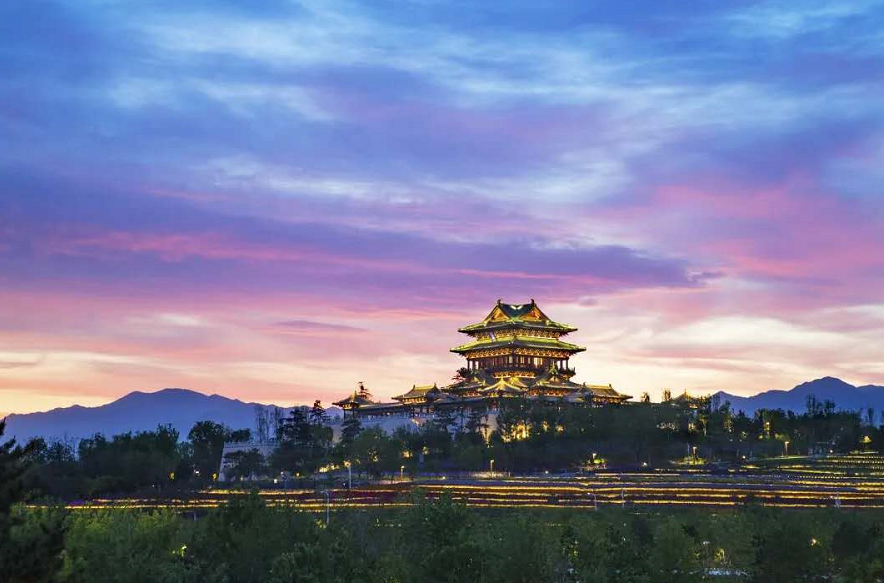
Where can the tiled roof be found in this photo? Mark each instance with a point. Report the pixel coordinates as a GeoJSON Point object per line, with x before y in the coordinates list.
{"type": "Point", "coordinates": [519, 342]}
{"type": "Point", "coordinates": [418, 392]}
{"type": "Point", "coordinates": [353, 399]}
{"type": "Point", "coordinates": [510, 385]}
{"type": "Point", "coordinates": [605, 391]}
{"type": "Point", "coordinates": [524, 315]}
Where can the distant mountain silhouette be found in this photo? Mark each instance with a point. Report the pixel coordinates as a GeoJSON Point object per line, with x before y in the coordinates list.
{"type": "Point", "coordinates": [138, 411]}
{"type": "Point", "coordinates": [845, 396]}
{"type": "Point", "coordinates": [181, 408]}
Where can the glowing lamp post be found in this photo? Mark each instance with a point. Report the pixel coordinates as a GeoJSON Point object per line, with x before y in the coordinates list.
{"type": "Point", "coordinates": [787, 448]}
{"type": "Point", "coordinates": [492, 468]}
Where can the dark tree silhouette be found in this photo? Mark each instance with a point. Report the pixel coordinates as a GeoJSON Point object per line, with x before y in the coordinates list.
{"type": "Point", "coordinates": [35, 556]}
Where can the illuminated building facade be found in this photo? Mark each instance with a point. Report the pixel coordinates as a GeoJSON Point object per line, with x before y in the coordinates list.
{"type": "Point", "coordinates": [516, 351]}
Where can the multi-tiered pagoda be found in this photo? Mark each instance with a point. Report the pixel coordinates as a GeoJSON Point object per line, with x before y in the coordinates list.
{"type": "Point", "coordinates": [516, 351]}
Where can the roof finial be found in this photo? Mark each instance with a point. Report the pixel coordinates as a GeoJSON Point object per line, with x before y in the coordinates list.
{"type": "Point", "coordinates": [498, 301]}
{"type": "Point", "coordinates": [533, 303]}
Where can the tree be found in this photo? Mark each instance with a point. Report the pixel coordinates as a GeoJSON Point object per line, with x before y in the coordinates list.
{"type": "Point", "coordinates": [476, 422]}
{"type": "Point", "coordinates": [350, 428]}
{"type": "Point", "coordinates": [130, 460]}
{"type": "Point", "coordinates": [207, 438]}
{"type": "Point", "coordinates": [436, 544]}
{"type": "Point", "coordinates": [675, 556]}
{"type": "Point", "coordinates": [238, 435]}
{"type": "Point", "coordinates": [790, 549]}
{"type": "Point", "coordinates": [374, 451]}
{"type": "Point", "coordinates": [53, 469]}
{"type": "Point", "coordinates": [34, 555]}
{"type": "Point", "coordinates": [300, 565]}
{"type": "Point", "coordinates": [462, 374]}
{"type": "Point", "coordinates": [244, 464]}
{"type": "Point", "coordinates": [318, 415]}
{"type": "Point", "coordinates": [125, 546]}
{"type": "Point", "coordinates": [445, 419]}
{"type": "Point", "coordinates": [814, 407]}
{"type": "Point", "coordinates": [296, 428]}
{"type": "Point", "coordinates": [294, 451]}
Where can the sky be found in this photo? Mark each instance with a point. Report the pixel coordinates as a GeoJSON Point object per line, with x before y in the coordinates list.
{"type": "Point", "coordinates": [274, 201]}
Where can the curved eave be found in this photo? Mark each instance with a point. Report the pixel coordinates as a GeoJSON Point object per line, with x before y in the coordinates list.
{"type": "Point", "coordinates": [351, 401]}
{"type": "Point", "coordinates": [382, 407]}
{"type": "Point", "coordinates": [521, 343]}
{"type": "Point", "coordinates": [417, 394]}
{"type": "Point", "coordinates": [616, 396]}
{"type": "Point", "coordinates": [550, 325]}
{"type": "Point", "coordinates": [557, 386]}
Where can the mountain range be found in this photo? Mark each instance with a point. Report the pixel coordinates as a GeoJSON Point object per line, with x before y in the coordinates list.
{"type": "Point", "coordinates": [181, 408]}
{"type": "Point", "coordinates": [845, 396]}
{"type": "Point", "coordinates": [139, 411]}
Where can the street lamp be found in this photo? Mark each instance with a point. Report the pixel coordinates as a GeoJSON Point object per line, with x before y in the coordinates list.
{"type": "Point", "coordinates": [787, 448]}
{"type": "Point", "coordinates": [492, 468]}
{"type": "Point", "coordinates": [349, 475]}
{"type": "Point", "coordinates": [401, 473]}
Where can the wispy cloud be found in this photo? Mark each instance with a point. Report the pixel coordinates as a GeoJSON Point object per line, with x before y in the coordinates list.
{"type": "Point", "coordinates": [271, 188]}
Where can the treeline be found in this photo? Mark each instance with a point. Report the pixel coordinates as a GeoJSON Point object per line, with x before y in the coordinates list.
{"type": "Point", "coordinates": [246, 541]}
{"type": "Point", "coordinates": [532, 436]}
{"type": "Point", "coordinates": [442, 541]}
{"type": "Point", "coordinates": [132, 462]}
{"type": "Point", "coordinates": [528, 436]}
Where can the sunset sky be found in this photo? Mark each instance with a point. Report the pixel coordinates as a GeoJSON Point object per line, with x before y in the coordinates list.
{"type": "Point", "coordinates": [275, 200]}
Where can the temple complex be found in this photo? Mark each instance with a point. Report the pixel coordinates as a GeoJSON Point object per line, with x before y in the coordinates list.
{"type": "Point", "coordinates": [516, 351]}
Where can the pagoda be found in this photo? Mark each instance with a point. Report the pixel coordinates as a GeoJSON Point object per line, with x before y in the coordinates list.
{"type": "Point", "coordinates": [516, 351]}
{"type": "Point", "coordinates": [518, 340]}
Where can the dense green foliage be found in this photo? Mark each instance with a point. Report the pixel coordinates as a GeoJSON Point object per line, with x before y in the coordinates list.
{"type": "Point", "coordinates": [530, 436]}
{"type": "Point", "coordinates": [207, 440]}
{"type": "Point", "coordinates": [30, 544]}
{"type": "Point", "coordinates": [134, 462]}
{"type": "Point", "coordinates": [434, 541]}
{"type": "Point", "coordinates": [557, 436]}
{"type": "Point", "coordinates": [442, 541]}
{"type": "Point", "coordinates": [303, 442]}
{"type": "Point", "coordinates": [534, 436]}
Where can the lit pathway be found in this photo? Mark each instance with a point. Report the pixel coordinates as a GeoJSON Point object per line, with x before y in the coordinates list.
{"type": "Point", "coordinates": [853, 481]}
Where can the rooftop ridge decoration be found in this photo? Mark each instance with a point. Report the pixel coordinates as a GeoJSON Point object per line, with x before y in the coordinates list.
{"type": "Point", "coordinates": [521, 315]}
{"type": "Point", "coordinates": [515, 351]}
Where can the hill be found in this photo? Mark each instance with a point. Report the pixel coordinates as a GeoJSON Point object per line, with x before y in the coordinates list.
{"type": "Point", "coordinates": [138, 411]}
{"type": "Point", "coordinates": [844, 395]}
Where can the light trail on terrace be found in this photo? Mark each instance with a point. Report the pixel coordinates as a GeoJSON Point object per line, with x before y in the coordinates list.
{"type": "Point", "coordinates": [783, 491]}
